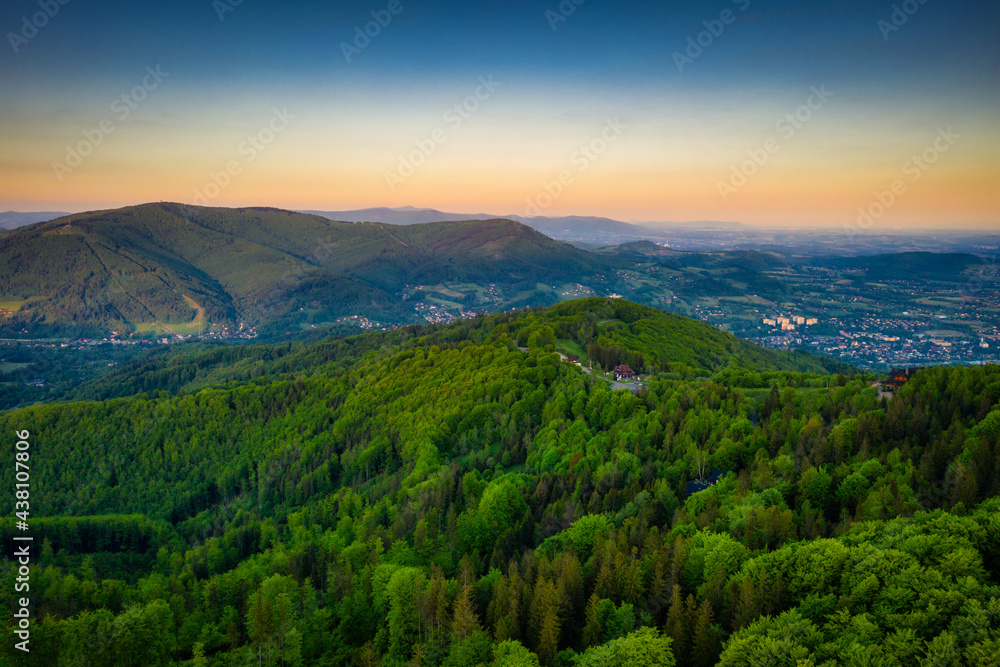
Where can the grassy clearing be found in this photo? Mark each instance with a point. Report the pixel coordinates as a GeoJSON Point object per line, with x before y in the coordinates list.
{"type": "Point", "coordinates": [11, 368]}
{"type": "Point", "coordinates": [450, 305]}
{"type": "Point", "coordinates": [441, 289]}
{"type": "Point", "coordinates": [572, 347]}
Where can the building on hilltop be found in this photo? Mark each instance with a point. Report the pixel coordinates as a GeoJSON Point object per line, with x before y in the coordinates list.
{"type": "Point", "coordinates": [898, 377]}
{"type": "Point", "coordinates": [624, 374]}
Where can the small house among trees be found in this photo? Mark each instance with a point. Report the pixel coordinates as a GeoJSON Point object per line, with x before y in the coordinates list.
{"type": "Point", "coordinates": [625, 374]}
{"type": "Point", "coordinates": [899, 376]}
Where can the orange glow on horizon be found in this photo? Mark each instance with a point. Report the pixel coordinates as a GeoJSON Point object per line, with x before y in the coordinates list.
{"type": "Point", "coordinates": [811, 181]}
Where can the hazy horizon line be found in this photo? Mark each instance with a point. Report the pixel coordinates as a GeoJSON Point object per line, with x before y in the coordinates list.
{"type": "Point", "coordinates": [749, 226]}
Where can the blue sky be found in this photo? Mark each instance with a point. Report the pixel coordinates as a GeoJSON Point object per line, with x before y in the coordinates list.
{"type": "Point", "coordinates": [354, 121]}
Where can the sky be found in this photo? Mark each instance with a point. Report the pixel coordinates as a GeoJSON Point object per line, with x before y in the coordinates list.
{"type": "Point", "coordinates": [776, 113]}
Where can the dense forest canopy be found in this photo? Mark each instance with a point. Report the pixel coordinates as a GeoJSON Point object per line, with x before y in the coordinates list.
{"type": "Point", "coordinates": [439, 495]}
{"type": "Point", "coordinates": [612, 331]}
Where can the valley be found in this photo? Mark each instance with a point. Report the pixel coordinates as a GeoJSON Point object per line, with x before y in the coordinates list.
{"type": "Point", "coordinates": [161, 274]}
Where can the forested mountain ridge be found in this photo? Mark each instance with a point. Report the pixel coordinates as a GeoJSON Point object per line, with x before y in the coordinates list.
{"type": "Point", "coordinates": [447, 498]}
{"type": "Point", "coordinates": [166, 265]}
{"type": "Point", "coordinates": [604, 331]}
{"type": "Point", "coordinates": [949, 267]}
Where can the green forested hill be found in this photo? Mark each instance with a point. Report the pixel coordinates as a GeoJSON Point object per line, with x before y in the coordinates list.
{"type": "Point", "coordinates": [440, 496]}
{"type": "Point", "coordinates": [607, 332]}
{"type": "Point", "coordinates": [642, 249]}
{"type": "Point", "coordinates": [614, 331]}
{"type": "Point", "coordinates": [949, 267]}
{"type": "Point", "coordinates": [155, 265]}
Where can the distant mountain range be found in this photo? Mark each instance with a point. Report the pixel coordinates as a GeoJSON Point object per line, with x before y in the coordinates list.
{"type": "Point", "coordinates": [567, 228]}
{"type": "Point", "coordinates": [13, 219]}
{"type": "Point", "coordinates": [187, 269]}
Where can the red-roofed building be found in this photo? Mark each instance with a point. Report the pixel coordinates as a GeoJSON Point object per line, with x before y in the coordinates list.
{"type": "Point", "coordinates": [625, 374]}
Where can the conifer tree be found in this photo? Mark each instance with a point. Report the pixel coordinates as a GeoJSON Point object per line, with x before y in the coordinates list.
{"type": "Point", "coordinates": [704, 644]}
{"type": "Point", "coordinates": [677, 625]}
{"type": "Point", "coordinates": [593, 631]}
{"type": "Point", "coordinates": [464, 622]}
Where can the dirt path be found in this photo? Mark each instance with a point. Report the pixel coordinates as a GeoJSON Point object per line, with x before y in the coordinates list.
{"type": "Point", "coordinates": [199, 318]}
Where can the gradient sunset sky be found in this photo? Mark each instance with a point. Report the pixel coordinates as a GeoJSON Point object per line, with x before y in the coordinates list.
{"type": "Point", "coordinates": [679, 131]}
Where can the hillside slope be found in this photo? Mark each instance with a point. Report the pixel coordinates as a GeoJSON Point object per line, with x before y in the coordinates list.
{"type": "Point", "coordinates": [455, 500]}
{"type": "Point", "coordinates": [186, 269]}
{"type": "Point", "coordinates": [944, 267]}
{"type": "Point", "coordinates": [612, 331]}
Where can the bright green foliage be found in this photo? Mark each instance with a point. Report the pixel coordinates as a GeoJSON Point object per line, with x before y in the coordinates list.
{"type": "Point", "coordinates": [785, 641]}
{"type": "Point", "coordinates": [447, 498]}
{"type": "Point", "coordinates": [500, 507]}
{"type": "Point", "coordinates": [398, 603]}
{"type": "Point", "coordinates": [511, 653]}
{"type": "Point", "coordinates": [642, 648]}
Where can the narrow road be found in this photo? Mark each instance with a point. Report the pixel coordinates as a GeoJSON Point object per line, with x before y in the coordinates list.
{"type": "Point", "coordinates": [615, 386]}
